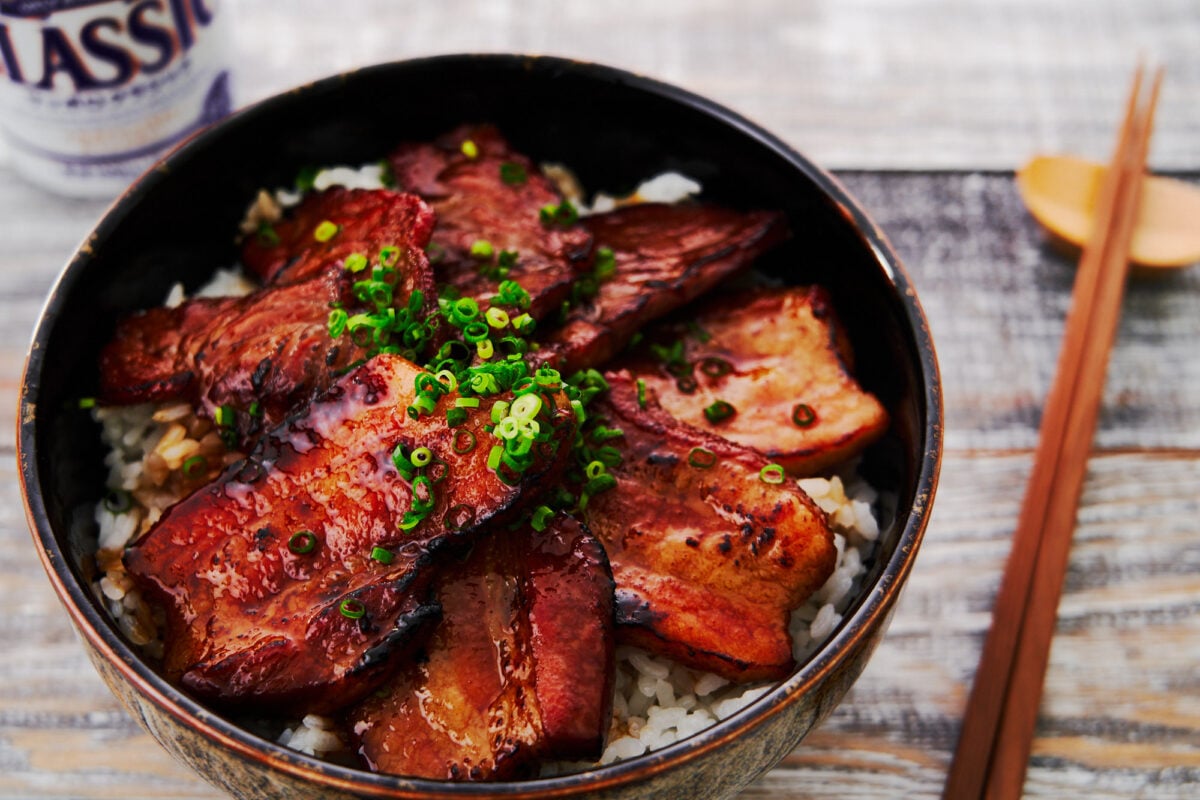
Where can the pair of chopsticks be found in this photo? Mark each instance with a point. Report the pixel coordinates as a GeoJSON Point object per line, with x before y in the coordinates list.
{"type": "Point", "coordinates": [997, 733]}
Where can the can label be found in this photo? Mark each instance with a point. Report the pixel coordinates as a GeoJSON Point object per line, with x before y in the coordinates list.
{"type": "Point", "coordinates": [93, 91]}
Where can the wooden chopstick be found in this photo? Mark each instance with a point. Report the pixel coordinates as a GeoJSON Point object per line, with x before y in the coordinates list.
{"type": "Point", "coordinates": [993, 748]}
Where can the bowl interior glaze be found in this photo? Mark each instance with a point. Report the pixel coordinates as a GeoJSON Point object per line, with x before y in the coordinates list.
{"type": "Point", "coordinates": [613, 129]}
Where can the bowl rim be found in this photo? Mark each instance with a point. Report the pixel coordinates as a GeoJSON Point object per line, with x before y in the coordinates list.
{"type": "Point", "coordinates": [870, 611]}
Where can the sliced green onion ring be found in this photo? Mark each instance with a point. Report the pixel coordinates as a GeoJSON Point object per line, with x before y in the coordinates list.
{"type": "Point", "coordinates": [803, 415]}
{"type": "Point", "coordinates": [302, 542]}
{"type": "Point", "coordinates": [701, 458]}
{"type": "Point", "coordinates": [772, 473]}
{"type": "Point", "coordinates": [352, 608]}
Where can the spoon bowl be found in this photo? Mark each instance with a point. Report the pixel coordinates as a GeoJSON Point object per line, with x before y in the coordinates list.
{"type": "Point", "coordinates": [1061, 192]}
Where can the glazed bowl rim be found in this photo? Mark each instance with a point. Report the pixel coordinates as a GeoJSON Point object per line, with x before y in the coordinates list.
{"type": "Point", "coordinates": [869, 613]}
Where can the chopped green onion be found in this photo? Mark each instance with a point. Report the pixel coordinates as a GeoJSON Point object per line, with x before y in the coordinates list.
{"type": "Point", "coordinates": [224, 417]}
{"type": "Point", "coordinates": [513, 173]}
{"type": "Point", "coordinates": [382, 555]}
{"type": "Point", "coordinates": [388, 256]}
{"type": "Point", "coordinates": [641, 393]}
{"type": "Point", "coordinates": [352, 609]}
{"type": "Point", "coordinates": [494, 456]}
{"type": "Point", "coordinates": [485, 349]}
{"type": "Point", "coordinates": [595, 469]}
{"type": "Point", "coordinates": [466, 402]}
{"type": "Point", "coordinates": [719, 411]}
{"type": "Point", "coordinates": [526, 406]}
{"type": "Point", "coordinates": [456, 416]}
{"type": "Point", "coordinates": [194, 466]}
{"type": "Point", "coordinates": [701, 458]}
{"type": "Point", "coordinates": [402, 462]}
{"type": "Point", "coordinates": [603, 434]}
{"type": "Point", "coordinates": [606, 264]}
{"type": "Point", "coordinates": [255, 409]}
{"type": "Point", "coordinates": [803, 415]}
{"type": "Point", "coordinates": [421, 456]}
{"type": "Point", "coordinates": [326, 231]}
{"type": "Point", "coordinates": [410, 520]}
{"type": "Point", "coordinates": [541, 516]}
{"type": "Point", "coordinates": [355, 262]}
{"type": "Point", "coordinates": [563, 214]}
{"type": "Point", "coordinates": [302, 542]}
{"type": "Point", "coordinates": [771, 473]}
{"type": "Point", "coordinates": [497, 317]}
{"type": "Point", "coordinates": [470, 149]}
{"type": "Point", "coordinates": [482, 248]}
{"type": "Point", "coordinates": [87, 402]}
{"type": "Point", "coordinates": [499, 410]}
{"type": "Point", "coordinates": [464, 442]}
{"type": "Point", "coordinates": [601, 483]}
{"type": "Point", "coordinates": [715, 367]}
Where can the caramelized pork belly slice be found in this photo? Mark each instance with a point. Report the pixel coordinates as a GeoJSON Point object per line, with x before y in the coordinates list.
{"type": "Point", "coordinates": [709, 559]}
{"type": "Point", "coordinates": [270, 350]}
{"type": "Point", "coordinates": [666, 255]}
{"type": "Point", "coordinates": [519, 669]}
{"type": "Point", "coordinates": [253, 622]}
{"type": "Point", "coordinates": [362, 221]}
{"type": "Point", "coordinates": [494, 196]}
{"type": "Point", "coordinates": [780, 358]}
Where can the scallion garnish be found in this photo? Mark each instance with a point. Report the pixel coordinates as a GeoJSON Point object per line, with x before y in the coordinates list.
{"type": "Point", "coordinates": [355, 262]}
{"type": "Point", "coordinates": [352, 609]}
{"type": "Point", "coordinates": [326, 230]}
{"type": "Point", "coordinates": [541, 517]}
{"type": "Point", "coordinates": [719, 411]}
{"type": "Point", "coordinates": [563, 214]}
{"type": "Point", "coordinates": [470, 149]}
{"type": "Point", "coordinates": [464, 442]}
{"type": "Point", "coordinates": [382, 555]}
{"type": "Point", "coordinates": [224, 417]}
{"type": "Point", "coordinates": [421, 456]}
{"type": "Point", "coordinates": [715, 367]}
{"type": "Point", "coordinates": [302, 542]}
{"type": "Point", "coordinates": [195, 466]}
{"type": "Point", "coordinates": [482, 248]}
{"type": "Point", "coordinates": [701, 458]}
{"type": "Point", "coordinates": [772, 473]}
{"type": "Point", "coordinates": [803, 415]}
{"type": "Point", "coordinates": [641, 393]}
{"type": "Point", "coordinates": [87, 402]}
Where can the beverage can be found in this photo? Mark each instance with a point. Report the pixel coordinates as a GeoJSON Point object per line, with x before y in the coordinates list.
{"type": "Point", "coordinates": [92, 92]}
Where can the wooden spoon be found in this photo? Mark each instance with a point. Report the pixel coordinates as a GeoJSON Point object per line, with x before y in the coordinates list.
{"type": "Point", "coordinates": [1061, 191]}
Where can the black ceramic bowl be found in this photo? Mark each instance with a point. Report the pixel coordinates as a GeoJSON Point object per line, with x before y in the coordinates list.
{"type": "Point", "coordinates": [614, 129]}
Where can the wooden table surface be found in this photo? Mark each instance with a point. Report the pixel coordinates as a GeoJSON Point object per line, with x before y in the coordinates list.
{"type": "Point", "coordinates": [924, 107]}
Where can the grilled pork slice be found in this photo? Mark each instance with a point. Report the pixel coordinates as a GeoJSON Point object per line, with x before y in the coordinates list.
{"type": "Point", "coordinates": [485, 192]}
{"type": "Point", "coordinates": [780, 359]}
{"type": "Point", "coordinates": [274, 593]}
{"type": "Point", "coordinates": [271, 350]}
{"type": "Point", "coordinates": [328, 226]}
{"type": "Point", "coordinates": [666, 255]}
{"type": "Point", "coordinates": [520, 668]}
{"type": "Point", "coordinates": [708, 556]}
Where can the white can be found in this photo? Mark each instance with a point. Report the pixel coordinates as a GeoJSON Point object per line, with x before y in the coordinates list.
{"type": "Point", "coordinates": [92, 92]}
